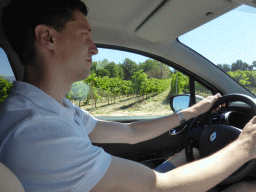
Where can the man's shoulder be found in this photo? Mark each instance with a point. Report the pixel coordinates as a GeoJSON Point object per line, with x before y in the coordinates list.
{"type": "Point", "coordinates": [16, 104]}
{"type": "Point", "coordinates": [17, 112]}
{"type": "Point", "coordinates": [13, 105]}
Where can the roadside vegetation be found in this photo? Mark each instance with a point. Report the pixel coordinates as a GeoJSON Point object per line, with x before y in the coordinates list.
{"type": "Point", "coordinates": [109, 81]}
{"type": "Point", "coordinates": [5, 88]}
{"type": "Point", "coordinates": [243, 73]}
{"type": "Point", "coordinates": [131, 89]}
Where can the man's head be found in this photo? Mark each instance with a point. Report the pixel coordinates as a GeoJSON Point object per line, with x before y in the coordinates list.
{"type": "Point", "coordinates": [51, 26]}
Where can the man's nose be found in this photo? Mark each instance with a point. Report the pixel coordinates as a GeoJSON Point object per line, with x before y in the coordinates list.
{"type": "Point", "coordinates": [93, 48]}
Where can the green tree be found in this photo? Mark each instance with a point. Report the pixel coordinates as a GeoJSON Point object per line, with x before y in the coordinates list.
{"type": "Point", "coordinates": [201, 88]}
{"type": "Point", "coordinates": [179, 83]}
{"type": "Point", "coordinates": [241, 77]}
{"type": "Point", "coordinates": [148, 66]}
{"type": "Point", "coordinates": [113, 69]}
{"type": "Point", "coordinates": [102, 72]}
{"type": "Point", "coordinates": [220, 66]}
{"type": "Point", "coordinates": [153, 85]}
{"type": "Point", "coordinates": [102, 64]}
{"type": "Point", "coordinates": [140, 82]}
{"type": "Point", "coordinates": [115, 86]}
{"type": "Point", "coordinates": [226, 68]}
{"type": "Point", "coordinates": [155, 69]}
{"type": "Point", "coordinates": [166, 71]}
{"type": "Point", "coordinates": [129, 67]}
{"type": "Point", "coordinates": [92, 80]}
{"type": "Point", "coordinates": [104, 84]}
{"type": "Point", "coordinates": [68, 97]}
{"type": "Point", "coordinates": [93, 94]}
{"type": "Point", "coordinates": [240, 65]}
{"type": "Point", "coordinates": [5, 88]}
{"type": "Point", "coordinates": [126, 88]}
{"type": "Point", "coordinates": [94, 66]}
{"type": "Point", "coordinates": [79, 90]}
{"type": "Point", "coordinates": [254, 63]}
{"type": "Point", "coordinates": [120, 71]}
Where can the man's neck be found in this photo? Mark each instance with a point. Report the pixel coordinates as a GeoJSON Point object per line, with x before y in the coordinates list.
{"type": "Point", "coordinates": [53, 85]}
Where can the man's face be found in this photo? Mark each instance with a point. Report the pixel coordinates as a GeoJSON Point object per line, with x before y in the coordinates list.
{"type": "Point", "coordinates": [75, 48]}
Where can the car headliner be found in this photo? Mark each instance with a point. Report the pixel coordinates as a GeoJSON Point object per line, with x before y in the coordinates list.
{"type": "Point", "coordinates": [152, 28]}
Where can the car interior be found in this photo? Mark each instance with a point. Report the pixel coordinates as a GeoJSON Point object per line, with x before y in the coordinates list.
{"type": "Point", "coordinates": [152, 28]}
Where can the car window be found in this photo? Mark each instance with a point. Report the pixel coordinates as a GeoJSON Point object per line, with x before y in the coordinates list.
{"type": "Point", "coordinates": [229, 42]}
{"type": "Point", "coordinates": [5, 69]}
{"type": "Point", "coordinates": [6, 76]}
{"type": "Point", "coordinates": [127, 84]}
{"type": "Point", "coordinates": [201, 91]}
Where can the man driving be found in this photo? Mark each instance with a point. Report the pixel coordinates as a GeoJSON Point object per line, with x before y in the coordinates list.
{"type": "Point", "coordinates": [47, 141]}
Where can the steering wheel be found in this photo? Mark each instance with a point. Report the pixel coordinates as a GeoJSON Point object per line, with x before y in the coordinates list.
{"type": "Point", "coordinates": [211, 138]}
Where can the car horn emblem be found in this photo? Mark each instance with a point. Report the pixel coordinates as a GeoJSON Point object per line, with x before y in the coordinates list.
{"type": "Point", "coordinates": [213, 136]}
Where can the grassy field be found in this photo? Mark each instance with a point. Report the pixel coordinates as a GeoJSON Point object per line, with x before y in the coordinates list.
{"type": "Point", "coordinates": [154, 105]}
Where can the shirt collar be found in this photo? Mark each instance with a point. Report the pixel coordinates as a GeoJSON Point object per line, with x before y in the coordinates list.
{"type": "Point", "coordinates": [41, 98]}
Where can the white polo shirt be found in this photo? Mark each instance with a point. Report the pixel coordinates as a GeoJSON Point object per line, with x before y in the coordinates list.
{"type": "Point", "coordinates": [46, 145]}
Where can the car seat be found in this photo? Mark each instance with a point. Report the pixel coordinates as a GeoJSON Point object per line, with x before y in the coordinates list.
{"type": "Point", "coordinates": [8, 181]}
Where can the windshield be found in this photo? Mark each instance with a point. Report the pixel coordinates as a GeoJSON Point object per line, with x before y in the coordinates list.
{"type": "Point", "coordinates": [229, 42]}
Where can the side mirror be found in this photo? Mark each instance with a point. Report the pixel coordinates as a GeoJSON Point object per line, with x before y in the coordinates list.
{"type": "Point", "coordinates": [178, 102]}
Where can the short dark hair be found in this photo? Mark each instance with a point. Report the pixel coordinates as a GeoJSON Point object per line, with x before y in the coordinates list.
{"type": "Point", "coordinates": [22, 16]}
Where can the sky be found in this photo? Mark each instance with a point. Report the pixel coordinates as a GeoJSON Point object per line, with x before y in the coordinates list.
{"type": "Point", "coordinates": [223, 41]}
{"type": "Point", "coordinates": [5, 68]}
{"type": "Point", "coordinates": [117, 56]}
{"type": "Point", "coordinates": [227, 38]}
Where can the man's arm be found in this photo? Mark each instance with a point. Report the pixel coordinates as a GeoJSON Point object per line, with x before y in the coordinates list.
{"type": "Point", "coordinates": [114, 132]}
{"type": "Point", "coordinates": [201, 175]}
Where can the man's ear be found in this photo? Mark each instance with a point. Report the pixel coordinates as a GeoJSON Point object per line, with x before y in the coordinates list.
{"type": "Point", "coordinates": [45, 36]}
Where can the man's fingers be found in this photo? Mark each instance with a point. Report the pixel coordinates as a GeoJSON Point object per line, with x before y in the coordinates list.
{"type": "Point", "coordinates": [218, 95]}
{"type": "Point", "coordinates": [216, 109]}
{"type": "Point", "coordinates": [215, 98]}
{"type": "Point", "coordinates": [205, 105]}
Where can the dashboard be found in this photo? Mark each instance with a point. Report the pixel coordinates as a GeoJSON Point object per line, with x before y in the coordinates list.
{"type": "Point", "coordinates": [232, 118]}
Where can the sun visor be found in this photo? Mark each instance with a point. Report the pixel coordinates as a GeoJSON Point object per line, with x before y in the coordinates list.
{"type": "Point", "coordinates": [177, 17]}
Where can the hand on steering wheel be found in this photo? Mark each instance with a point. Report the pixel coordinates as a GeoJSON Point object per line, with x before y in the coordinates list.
{"type": "Point", "coordinates": [206, 104]}
{"type": "Point", "coordinates": [211, 138]}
